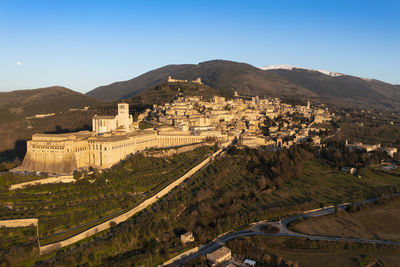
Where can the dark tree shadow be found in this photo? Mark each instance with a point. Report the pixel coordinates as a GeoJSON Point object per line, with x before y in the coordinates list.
{"type": "Point", "coordinates": [179, 231]}
{"type": "Point", "coordinates": [60, 130]}
{"type": "Point", "coordinates": [18, 152]}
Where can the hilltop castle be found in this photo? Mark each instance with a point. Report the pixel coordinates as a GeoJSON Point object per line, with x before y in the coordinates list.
{"type": "Point", "coordinates": [171, 80]}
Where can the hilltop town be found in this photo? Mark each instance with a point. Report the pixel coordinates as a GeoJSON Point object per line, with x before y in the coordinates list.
{"type": "Point", "coordinates": [186, 121]}
{"type": "Point", "coordinates": [243, 119]}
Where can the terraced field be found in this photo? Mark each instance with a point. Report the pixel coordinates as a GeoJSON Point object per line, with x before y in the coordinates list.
{"type": "Point", "coordinates": [63, 207]}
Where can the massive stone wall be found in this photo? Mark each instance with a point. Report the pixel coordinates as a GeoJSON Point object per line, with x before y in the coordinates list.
{"type": "Point", "coordinates": [61, 163]}
{"type": "Point", "coordinates": [97, 151]}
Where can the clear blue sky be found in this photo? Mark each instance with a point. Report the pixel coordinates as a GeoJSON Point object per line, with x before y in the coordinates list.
{"type": "Point", "coordinates": [85, 44]}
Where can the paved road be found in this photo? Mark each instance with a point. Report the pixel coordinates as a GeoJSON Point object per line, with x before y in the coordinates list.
{"type": "Point", "coordinates": [282, 225]}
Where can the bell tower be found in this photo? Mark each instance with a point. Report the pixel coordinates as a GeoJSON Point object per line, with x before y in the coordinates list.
{"type": "Point", "coordinates": [123, 110]}
{"type": "Point", "coordinates": [123, 119]}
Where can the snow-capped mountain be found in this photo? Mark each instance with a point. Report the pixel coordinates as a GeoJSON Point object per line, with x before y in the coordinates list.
{"type": "Point", "coordinates": [290, 67]}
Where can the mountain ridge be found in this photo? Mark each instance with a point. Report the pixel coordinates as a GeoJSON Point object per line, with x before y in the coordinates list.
{"type": "Point", "coordinates": [215, 73]}
{"type": "Point", "coordinates": [229, 76]}
{"type": "Point", "coordinates": [291, 67]}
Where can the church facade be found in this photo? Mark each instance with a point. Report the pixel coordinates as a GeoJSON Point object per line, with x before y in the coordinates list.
{"type": "Point", "coordinates": [105, 124]}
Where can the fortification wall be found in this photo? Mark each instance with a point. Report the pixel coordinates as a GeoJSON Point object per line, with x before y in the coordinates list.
{"type": "Point", "coordinates": [165, 140]}
{"type": "Point", "coordinates": [19, 223]}
{"type": "Point", "coordinates": [180, 256]}
{"type": "Point", "coordinates": [172, 151]}
{"type": "Point", "coordinates": [51, 180]}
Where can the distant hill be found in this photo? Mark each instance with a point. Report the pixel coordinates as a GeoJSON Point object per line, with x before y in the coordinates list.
{"type": "Point", "coordinates": [227, 76]}
{"type": "Point", "coordinates": [224, 76]}
{"type": "Point", "coordinates": [343, 89]}
{"type": "Point", "coordinates": [43, 100]}
{"type": "Point", "coordinates": [17, 106]}
{"type": "Point", "coordinates": [290, 67]}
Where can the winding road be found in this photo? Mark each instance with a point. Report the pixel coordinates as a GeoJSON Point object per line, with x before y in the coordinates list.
{"type": "Point", "coordinates": [284, 231]}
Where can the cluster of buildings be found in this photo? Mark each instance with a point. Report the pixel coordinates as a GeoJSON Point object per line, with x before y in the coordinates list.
{"type": "Point", "coordinates": [220, 257]}
{"type": "Point", "coordinates": [243, 119]}
{"type": "Point", "coordinates": [391, 151]}
{"type": "Point", "coordinates": [185, 121]}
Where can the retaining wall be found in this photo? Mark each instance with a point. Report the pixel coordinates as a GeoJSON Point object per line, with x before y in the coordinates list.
{"type": "Point", "coordinates": [51, 180]}
{"type": "Point", "coordinates": [172, 151]}
{"type": "Point", "coordinates": [180, 256]}
{"type": "Point", "coordinates": [19, 222]}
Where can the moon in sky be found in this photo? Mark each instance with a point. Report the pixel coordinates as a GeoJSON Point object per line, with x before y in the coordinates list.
{"type": "Point", "coordinates": [19, 63]}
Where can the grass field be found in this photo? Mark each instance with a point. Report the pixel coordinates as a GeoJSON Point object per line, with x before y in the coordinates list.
{"type": "Point", "coordinates": [376, 222]}
{"type": "Point", "coordinates": [313, 253]}
{"type": "Point", "coordinates": [318, 182]}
